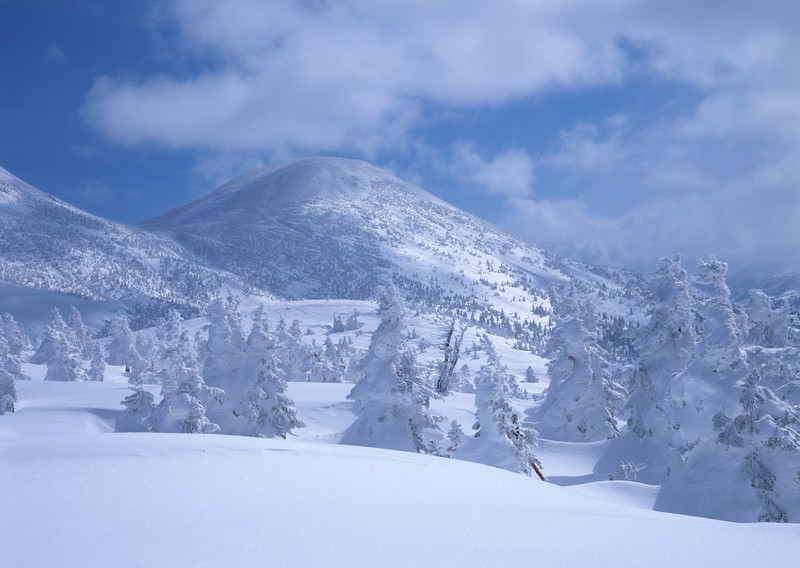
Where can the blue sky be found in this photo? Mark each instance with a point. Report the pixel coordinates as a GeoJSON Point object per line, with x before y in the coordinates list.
{"type": "Point", "coordinates": [615, 132]}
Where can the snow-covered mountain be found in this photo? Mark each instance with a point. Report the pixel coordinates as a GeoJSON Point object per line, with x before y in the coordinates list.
{"type": "Point", "coordinates": [338, 228]}
{"type": "Point", "coordinates": [309, 228]}
{"type": "Point", "coordinates": [50, 245]}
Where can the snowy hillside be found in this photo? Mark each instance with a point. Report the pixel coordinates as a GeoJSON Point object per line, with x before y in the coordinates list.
{"type": "Point", "coordinates": [50, 245]}
{"type": "Point", "coordinates": [75, 494]}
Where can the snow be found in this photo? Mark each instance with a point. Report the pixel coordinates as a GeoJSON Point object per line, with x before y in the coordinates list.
{"type": "Point", "coordinates": [77, 494]}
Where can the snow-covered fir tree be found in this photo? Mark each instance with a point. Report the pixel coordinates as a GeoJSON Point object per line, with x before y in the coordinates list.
{"type": "Point", "coordinates": [583, 400]}
{"type": "Point", "coordinates": [18, 341]}
{"type": "Point", "coordinates": [81, 337]}
{"type": "Point", "coordinates": [766, 326]}
{"type": "Point", "coordinates": [140, 405]}
{"type": "Point", "coordinates": [121, 343]}
{"type": "Point", "coordinates": [140, 411]}
{"type": "Point", "coordinates": [60, 352]}
{"type": "Point", "coordinates": [97, 362]}
{"type": "Point", "coordinates": [666, 347]}
{"type": "Point", "coordinates": [145, 364]}
{"type": "Point", "coordinates": [55, 333]}
{"type": "Point", "coordinates": [744, 441]}
{"type": "Point", "coordinates": [10, 372]}
{"type": "Point", "coordinates": [392, 398]}
{"type": "Point", "coordinates": [297, 359]}
{"type": "Point", "coordinates": [185, 395]}
{"type": "Point", "coordinates": [268, 410]}
{"type": "Point", "coordinates": [500, 439]}
{"type": "Point", "coordinates": [224, 366]}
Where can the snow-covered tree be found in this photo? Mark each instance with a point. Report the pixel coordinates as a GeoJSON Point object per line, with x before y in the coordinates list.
{"type": "Point", "coordinates": [55, 334]}
{"type": "Point", "coordinates": [530, 375]}
{"type": "Point", "coordinates": [583, 400]}
{"type": "Point", "coordinates": [267, 409]}
{"type": "Point", "coordinates": [743, 441]}
{"type": "Point", "coordinates": [9, 372]}
{"type": "Point", "coordinates": [297, 359]}
{"type": "Point", "coordinates": [140, 406]}
{"type": "Point", "coordinates": [140, 411]}
{"type": "Point", "coordinates": [185, 395]}
{"type": "Point", "coordinates": [747, 470]}
{"type": "Point", "coordinates": [500, 438]}
{"type": "Point", "coordinates": [121, 343]}
{"type": "Point", "coordinates": [81, 337]}
{"type": "Point", "coordinates": [168, 337]}
{"type": "Point", "coordinates": [66, 363]}
{"type": "Point", "coordinates": [97, 363]}
{"type": "Point", "coordinates": [18, 341]}
{"type": "Point", "coordinates": [224, 366]}
{"type": "Point", "coordinates": [666, 347]}
{"type": "Point", "coordinates": [145, 362]}
{"type": "Point", "coordinates": [391, 396]}
{"type": "Point", "coordinates": [766, 326]}
{"type": "Point", "coordinates": [60, 352]}
{"type": "Point", "coordinates": [352, 323]}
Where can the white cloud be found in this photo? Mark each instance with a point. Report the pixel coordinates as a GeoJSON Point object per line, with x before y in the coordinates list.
{"type": "Point", "coordinates": [509, 173]}
{"type": "Point", "coordinates": [752, 219]}
{"type": "Point", "coordinates": [308, 76]}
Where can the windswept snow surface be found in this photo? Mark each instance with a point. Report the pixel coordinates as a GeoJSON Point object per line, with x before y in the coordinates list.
{"type": "Point", "coordinates": [76, 494]}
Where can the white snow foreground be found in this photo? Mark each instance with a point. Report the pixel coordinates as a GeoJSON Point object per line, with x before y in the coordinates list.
{"type": "Point", "coordinates": [76, 494]}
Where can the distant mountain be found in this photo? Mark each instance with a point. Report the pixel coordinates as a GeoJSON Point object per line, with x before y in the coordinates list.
{"type": "Point", "coordinates": [312, 228]}
{"type": "Point", "coordinates": [338, 228]}
{"type": "Point", "coordinates": [50, 245]}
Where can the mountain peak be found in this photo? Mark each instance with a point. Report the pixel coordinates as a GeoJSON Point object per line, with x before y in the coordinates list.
{"type": "Point", "coordinates": [278, 189]}
{"type": "Point", "coordinates": [308, 178]}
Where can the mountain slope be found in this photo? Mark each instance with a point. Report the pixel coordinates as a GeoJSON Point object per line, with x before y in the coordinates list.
{"type": "Point", "coordinates": [48, 244]}
{"type": "Point", "coordinates": [337, 228]}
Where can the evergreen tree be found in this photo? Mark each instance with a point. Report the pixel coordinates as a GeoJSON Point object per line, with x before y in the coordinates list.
{"type": "Point", "coordinates": [60, 352]}
{"type": "Point", "coordinates": [583, 400]}
{"type": "Point", "coordinates": [122, 341]}
{"type": "Point", "coordinates": [144, 362]}
{"type": "Point", "coordinates": [18, 341]}
{"type": "Point", "coordinates": [80, 335]}
{"type": "Point", "coordinates": [54, 334]}
{"type": "Point", "coordinates": [268, 411]}
{"type": "Point", "coordinates": [185, 395]}
{"type": "Point", "coordinates": [97, 363]}
{"type": "Point", "coordinates": [392, 398]}
{"type": "Point", "coordinates": [766, 326]}
{"type": "Point", "coordinates": [743, 440]}
{"type": "Point", "coordinates": [9, 372]}
{"type": "Point", "coordinates": [500, 438]}
{"type": "Point", "coordinates": [225, 367]}
{"type": "Point", "coordinates": [666, 347]}
{"type": "Point", "coordinates": [140, 411]}
{"type": "Point", "coordinates": [297, 359]}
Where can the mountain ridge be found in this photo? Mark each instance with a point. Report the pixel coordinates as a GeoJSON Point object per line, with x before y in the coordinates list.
{"type": "Point", "coordinates": [48, 244]}
{"type": "Point", "coordinates": [312, 228]}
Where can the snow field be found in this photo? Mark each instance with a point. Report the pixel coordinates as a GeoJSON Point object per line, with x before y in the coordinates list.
{"type": "Point", "coordinates": [78, 495]}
